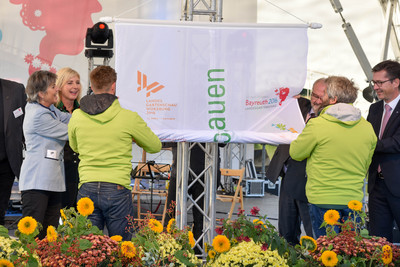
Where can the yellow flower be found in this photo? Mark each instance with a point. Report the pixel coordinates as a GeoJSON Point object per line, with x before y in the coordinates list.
{"type": "Point", "coordinates": [27, 225]}
{"type": "Point", "coordinates": [329, 258]}
{"type": "Point", "coordinates": [355, 205]}
{"type": "Point", "coordinates": [128, 249]}
{"type": "Point", "coordinates": [192, 242]}
{"type": "Point", "coordinates": [63, 217]}
{"type": "Point", "coordinates": [170, 224]}
{"type": "Point", "coordinates": [257, 221]}
{"type": "Point", "coordinates": [331, 217]}
{"type": "Point", "coordinates": [51, 234]}
{"type": "Point", "coordinates": [155, 225]}
{"type": "Point", "coordinates": [221, 243]}
{"type": "Point", "coordinates": [6, 263]}
{"type": "Point", "coordinates": [85, 206]}
{"type": "Point", "coordinates": [387, 254]}
{"type": "Point", "coordinates": [116, 238]}
{"type": "Point", "coordinates": [249, 254]}
{"type": "Point", "coordinates": [211, 254]}
{"type": "Point", "coordinates": [308, 243]}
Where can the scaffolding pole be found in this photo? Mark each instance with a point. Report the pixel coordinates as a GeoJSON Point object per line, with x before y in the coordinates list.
{"type": "Point", "coordinates": [207, 178]}
{"type": "Point", "coordinates": [211, 8]}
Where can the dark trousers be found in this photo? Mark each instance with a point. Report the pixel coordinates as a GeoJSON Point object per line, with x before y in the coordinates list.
{"type": "Point", "coordinates": [71, 184]}
{"type": "Point", "coordinates": [291, 213]}
{"type": "Point", "coordinates": [317, 218]}
{"type": "Point", "coordinates": [171, 196]}
{"type": "Point", "coordinates": [6, 182]}
{"type": "Point", "coordinates": [112, 205]}
{"type": "Point", "coordinates": [43, 206]}
{"type": "Point", "coordinates": [384, 209]}
{"type": "Point", "coordinates": [196, 190]}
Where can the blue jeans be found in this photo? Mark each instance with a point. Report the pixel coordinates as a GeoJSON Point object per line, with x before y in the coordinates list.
{"type": "Point", "coordinates": [112, 204]}
{"type": "Point", "coordinates": [317, 218]}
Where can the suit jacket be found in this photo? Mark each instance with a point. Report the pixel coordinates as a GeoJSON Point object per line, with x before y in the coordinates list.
{"type": "Point", "coordinates": [387, 151]}
{"type": "Point", "coordinates": [13, 98]}
{"type": "Point", "coordinates": [46, 131]}
{"type": "Point", "coordinates": [295, 176]}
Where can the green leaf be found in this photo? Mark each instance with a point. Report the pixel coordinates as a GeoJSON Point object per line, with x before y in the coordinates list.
{"type": "Point", "coordinates": [32, 262]}
{"type": "Point", "coordinates": [3, 231]}
{"type": "Point", "coordinates": [84, 244]}
{"type": "Point", "coordinates": [64, 247]}
{"type": "Point", "coordinates": [364, 233]}
{"type": "Point", "coordinates": [180, 255]}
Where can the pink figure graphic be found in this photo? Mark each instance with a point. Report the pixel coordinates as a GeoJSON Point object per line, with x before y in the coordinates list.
{"type": "Point", "coordinates": [282, 93]}
{"type": "Point", "coordinates": [65, 23]}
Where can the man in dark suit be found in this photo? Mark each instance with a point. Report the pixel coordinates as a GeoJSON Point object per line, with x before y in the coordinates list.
{"type": "Point", "coordinates": [293, 204]}
{"type": "Point", "coordinates": [12, 109]}
{"type": "Point", "coordinates": [384, 171]}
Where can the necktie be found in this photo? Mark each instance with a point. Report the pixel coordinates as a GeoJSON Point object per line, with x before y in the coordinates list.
{"type": "Point", "coordinates": [388, 111]}
{"type": "Point", "coordinates": [310, 116]}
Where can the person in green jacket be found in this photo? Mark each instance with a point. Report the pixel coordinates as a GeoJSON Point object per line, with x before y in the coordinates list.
{"type": "Point", "coordinates": [338, 146]}
{"type": "Point", "coordinates": [102, 132]}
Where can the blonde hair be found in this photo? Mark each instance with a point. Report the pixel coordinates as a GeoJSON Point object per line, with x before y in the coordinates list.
{"type": "Point", "coordinates": [63, 75]}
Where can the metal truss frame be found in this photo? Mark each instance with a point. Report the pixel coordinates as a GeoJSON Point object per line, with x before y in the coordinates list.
{"type": "Point", "coordinates": [184, 201]}
{"type": "Point", "coordinates": [211, 8]}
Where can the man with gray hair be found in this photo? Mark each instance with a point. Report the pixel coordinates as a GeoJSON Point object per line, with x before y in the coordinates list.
{"type": "Point", "coordinates": [293, 203]}
{"type": "Point", "coordinates": [338, 146]}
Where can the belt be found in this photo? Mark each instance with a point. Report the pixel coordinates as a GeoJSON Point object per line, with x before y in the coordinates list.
{"type": "Point", "coordinates": [380, 175]}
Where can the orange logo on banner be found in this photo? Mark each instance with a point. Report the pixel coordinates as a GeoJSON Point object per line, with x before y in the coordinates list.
{"type": "Point", "coordinates": [151, 88]}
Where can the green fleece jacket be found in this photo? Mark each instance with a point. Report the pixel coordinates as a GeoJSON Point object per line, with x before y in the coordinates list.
{"type": "Point", "coordinates": [102, 133]}
{"type": "Point", "coordinates": [338, 146]}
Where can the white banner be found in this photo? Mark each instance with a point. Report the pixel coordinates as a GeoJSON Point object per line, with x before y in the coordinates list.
{"type": "Point", "coordinates": [213, 82]}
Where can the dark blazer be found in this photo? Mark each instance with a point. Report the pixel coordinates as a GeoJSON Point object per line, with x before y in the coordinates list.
{"type": "Point", "coordinates": [295, 177]}
{"type": "Point", "coordinates": [387, 151]}
{"type": "Point", "coordinates": [13, 98]}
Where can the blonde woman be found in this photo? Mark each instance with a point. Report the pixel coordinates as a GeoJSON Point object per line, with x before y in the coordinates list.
{"type": "Point", "coordinates": [68, 80]}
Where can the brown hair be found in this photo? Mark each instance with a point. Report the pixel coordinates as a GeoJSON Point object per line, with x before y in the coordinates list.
{"type": "Point", "coordinates": [101, 79]}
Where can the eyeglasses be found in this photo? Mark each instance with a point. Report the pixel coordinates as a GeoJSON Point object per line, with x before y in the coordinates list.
{"type": "Point", "coordinates": [380, 83]}
{"type": "Point", "coordinates": [314, 95]}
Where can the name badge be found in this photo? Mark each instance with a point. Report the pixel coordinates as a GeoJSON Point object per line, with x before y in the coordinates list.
{"type": "Point", "coordinates": [51, 154]}
{"type": "Point", "coordinates": [18, 112]}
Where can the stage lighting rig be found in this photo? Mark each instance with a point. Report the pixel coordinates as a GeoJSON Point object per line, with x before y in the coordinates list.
{"type": "Point", "coordinates": [100, 42]}
{"type": "Point", "coordinates": [100, 38]}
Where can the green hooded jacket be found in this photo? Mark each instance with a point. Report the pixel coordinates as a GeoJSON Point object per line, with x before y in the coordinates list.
{"type": "Point", "coordinates": [102, 133]}
{"type": "Point", "coordinates": [338, 146]}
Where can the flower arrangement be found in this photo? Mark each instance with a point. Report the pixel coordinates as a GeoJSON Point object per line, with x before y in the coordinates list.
{"type": "Point", "coordinates": [76, 242]}
{"type": "Point", "coordinates": [15, 252]}
{"type": "Point", "coordinates": [240, 242]}
{"type": "Point", "coordinates": [164, 247]}
{"type": "Point", "coordinates": [351, 247]}
{"type": "Point", "coordinates": [245, 242]}
{"type": "Point", "coordinates": [247, 254]}
{"type": "Point", "coordinates": [20, 252]}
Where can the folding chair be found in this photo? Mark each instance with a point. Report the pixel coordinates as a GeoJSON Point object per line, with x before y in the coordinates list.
{"type": "Point", "coordinates": [237, 197]}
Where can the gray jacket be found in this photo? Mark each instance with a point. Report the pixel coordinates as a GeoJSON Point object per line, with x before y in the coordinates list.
{"type": "Point", "coordinates": [46, 131]}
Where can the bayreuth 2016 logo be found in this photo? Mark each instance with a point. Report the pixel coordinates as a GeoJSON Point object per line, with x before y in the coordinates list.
{"type": "Point", "coordinates": [151, 88]}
